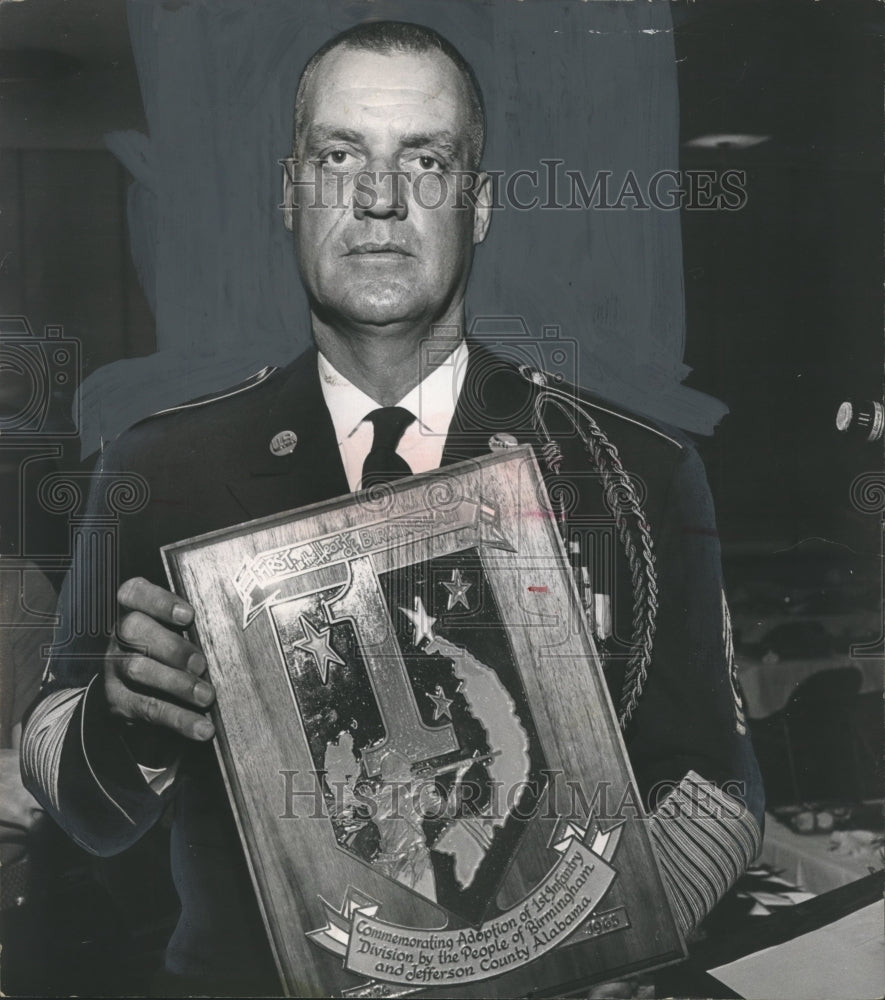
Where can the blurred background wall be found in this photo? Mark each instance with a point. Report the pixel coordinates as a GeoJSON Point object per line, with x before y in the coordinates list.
{"type": "Point", "coordinates": [781, 313]}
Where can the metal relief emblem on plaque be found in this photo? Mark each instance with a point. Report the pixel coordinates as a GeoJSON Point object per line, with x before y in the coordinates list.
{"type": "Point", "coordinates": [416, 716]}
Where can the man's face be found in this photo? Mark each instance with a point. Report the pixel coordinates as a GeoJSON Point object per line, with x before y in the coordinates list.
{"type": "Point", "coordinates": [373, 249]}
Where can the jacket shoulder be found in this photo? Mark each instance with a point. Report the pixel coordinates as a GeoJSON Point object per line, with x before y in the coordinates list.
{"type": "Point", "coordinates": [625, 428]}
{"type": "Point", "coordinates": [229, 392]}
{"type": "Point", "coordinates": [634, 423]}
{"type": "Point", "coordinates": [203, 427]}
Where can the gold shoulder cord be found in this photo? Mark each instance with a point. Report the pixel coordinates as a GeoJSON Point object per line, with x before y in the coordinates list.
{"type": "Point", "coordinates": [622, 500]}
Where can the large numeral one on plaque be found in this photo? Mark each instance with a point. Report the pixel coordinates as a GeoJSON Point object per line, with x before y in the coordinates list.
{"type": "Point", "coordinates": [362, 604]}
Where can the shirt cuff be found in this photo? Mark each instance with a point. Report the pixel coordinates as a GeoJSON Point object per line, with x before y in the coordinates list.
{"type": "Point", "coordinates": [705, 840]}
{"type": "Point", "coordinates": [159, 778]}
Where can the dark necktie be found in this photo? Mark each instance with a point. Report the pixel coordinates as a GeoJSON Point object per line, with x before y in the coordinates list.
{"type": "Point", "coordinates": [382, 464]}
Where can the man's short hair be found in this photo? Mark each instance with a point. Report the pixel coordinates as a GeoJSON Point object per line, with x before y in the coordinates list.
{"type": "Point", "coordinates": [386, 37]}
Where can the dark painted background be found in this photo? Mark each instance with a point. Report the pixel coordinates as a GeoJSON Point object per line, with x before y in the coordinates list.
{"type": "Point", "coordinates": [782, 306]}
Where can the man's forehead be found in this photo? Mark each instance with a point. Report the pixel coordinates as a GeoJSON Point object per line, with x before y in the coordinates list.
{"type": "Point", "coordinates": [378, 85]}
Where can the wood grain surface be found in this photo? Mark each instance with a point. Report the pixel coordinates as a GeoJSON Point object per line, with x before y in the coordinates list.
{"type": "Point", "coordinates": [289, 842]}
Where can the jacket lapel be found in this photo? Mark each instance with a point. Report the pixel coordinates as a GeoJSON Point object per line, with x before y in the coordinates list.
{"type": "Point", "coordinates": [495, 398]}
{"type": "Point", "coordinates": [312, 471]}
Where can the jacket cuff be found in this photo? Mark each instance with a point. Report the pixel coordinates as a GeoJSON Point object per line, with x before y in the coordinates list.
{"type": "Point", "coordinates": [705, 840]}
{"type": "Point", "coordinates": [76, 762]}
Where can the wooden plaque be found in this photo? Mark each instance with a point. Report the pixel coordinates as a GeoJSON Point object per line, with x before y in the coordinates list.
{"type": "Point", "coordinates": [419, 745]}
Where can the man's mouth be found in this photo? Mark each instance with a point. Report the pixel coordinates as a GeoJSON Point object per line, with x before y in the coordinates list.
{"type": "Point", "coordinates": [385, 249]}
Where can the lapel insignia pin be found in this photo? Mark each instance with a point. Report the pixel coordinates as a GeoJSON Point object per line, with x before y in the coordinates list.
{"type": "Point", "coordinates": [283, 443]}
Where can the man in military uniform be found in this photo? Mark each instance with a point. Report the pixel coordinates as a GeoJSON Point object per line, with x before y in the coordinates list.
{"type": "Point", "coordinates": [391, 388]}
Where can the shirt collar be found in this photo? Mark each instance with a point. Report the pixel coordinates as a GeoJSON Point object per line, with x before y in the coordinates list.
{"type": "Point", "coordinates": [432, 401]}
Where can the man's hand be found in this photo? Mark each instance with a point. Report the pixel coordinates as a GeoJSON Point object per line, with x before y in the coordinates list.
{"type": "Point", "coordinates": [153, 673]}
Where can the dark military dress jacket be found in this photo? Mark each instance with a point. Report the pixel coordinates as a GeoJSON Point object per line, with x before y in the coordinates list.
{"type": "Point", "coordinates": [209, 465]}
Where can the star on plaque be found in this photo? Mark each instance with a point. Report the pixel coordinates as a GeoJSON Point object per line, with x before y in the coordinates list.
{"type": "Point", "coordinates": [457, 588]}
{"type": "Point", "coordinates": [422, 623]}
{"type": "Point", "coordinates": [441, 704]}
{"type": "Point", "coordinates": [316, 642]}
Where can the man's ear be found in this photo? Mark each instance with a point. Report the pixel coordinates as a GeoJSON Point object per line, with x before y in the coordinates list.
{"type": "Point", "coordinates": [289, 205]}
{"type": "Point", "coordinates": [482, 211]}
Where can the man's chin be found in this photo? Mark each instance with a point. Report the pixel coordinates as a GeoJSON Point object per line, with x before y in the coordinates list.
{"type": "Point", "coordinates": [382, 307]}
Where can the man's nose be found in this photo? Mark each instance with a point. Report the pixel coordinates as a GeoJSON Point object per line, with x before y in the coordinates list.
{"type": "Point", "coordinates": [379, 192]}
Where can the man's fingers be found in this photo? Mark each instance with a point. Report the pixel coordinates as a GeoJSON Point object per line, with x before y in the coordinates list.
{"type": "Point", "coordinates": [148, 636]}
{"type": "Point", "coordinates": [132, 705]}
{"type": "Point", "coordinates": [157, 712]}
{"type": "Point", "coordinates": [153, 685]}
{"type": "Point", "coordinates": [137, 594]}
{"type": "Point", "coordinates": [153, 614]}
{"type": "Point", "coordinates": [167, 682]}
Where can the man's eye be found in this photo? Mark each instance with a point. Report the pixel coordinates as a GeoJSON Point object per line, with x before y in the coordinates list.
{"type": "Point", "coordinates": [337, 157]}
{"type": "Point", "coordinates": [427, 162]}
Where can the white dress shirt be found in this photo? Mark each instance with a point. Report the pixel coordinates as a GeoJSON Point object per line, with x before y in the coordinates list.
{"type": "Point", "coordinates": [432, 402]}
